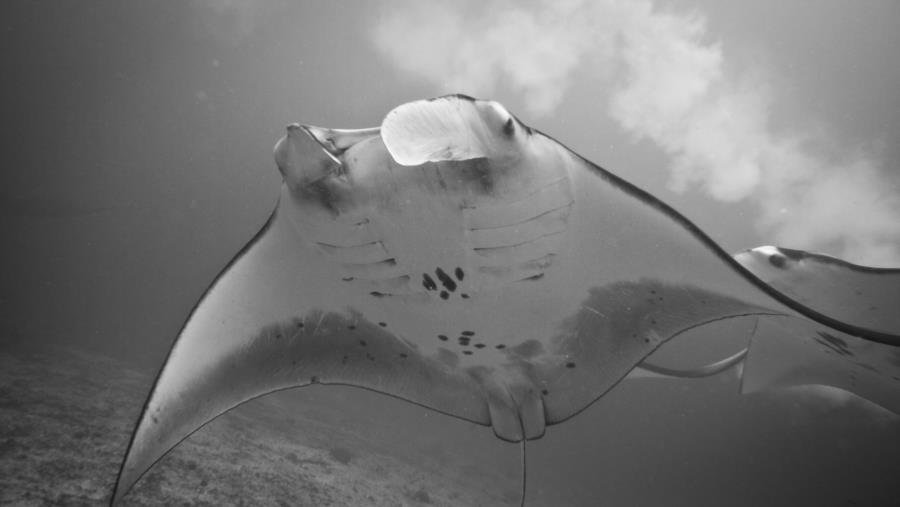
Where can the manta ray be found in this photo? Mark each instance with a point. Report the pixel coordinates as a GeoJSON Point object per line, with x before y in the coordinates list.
{"type": "Point", "coordinates": [461, 260]}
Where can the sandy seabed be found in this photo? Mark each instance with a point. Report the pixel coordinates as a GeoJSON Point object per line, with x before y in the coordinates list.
{"type": "Point", "coordinates": [66, 417]}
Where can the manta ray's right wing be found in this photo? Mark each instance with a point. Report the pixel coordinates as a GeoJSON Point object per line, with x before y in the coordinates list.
{"type": "Point", "coordinates": [786, 352]}
{"type": "Point", "coordinates": [859, 295]}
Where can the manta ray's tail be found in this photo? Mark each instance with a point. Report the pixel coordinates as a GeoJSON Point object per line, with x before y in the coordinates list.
{"type": "Point", "coordinates": [524, 472]}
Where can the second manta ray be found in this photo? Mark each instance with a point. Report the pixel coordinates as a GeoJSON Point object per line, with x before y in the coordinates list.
{"type": "Point", "coordinates": [463, 261]}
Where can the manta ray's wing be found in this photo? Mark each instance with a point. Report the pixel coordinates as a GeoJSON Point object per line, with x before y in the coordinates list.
{"type": "Point", "coordinates": [650, 275]}
{"type": "Point", "coordinates": [792, 352]}
{"type": "Point", "coordinates": [786, 352]}
{"type": "Point", "coordinates": [653, 370]}
{"type": "Point", "coordinates": [275, 319]}
{"type": "Point", "coordinates": [860, 295]}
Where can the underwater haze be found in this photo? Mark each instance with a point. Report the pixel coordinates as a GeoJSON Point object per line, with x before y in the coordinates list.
{"type": "Point", "coordinates": [139, 139]}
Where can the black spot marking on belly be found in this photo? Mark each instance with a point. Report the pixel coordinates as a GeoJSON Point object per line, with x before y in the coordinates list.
{"type": "Point", "coordinates": [443, 337]}
{"type": "Point", "coordinates": [445, 279]}
{"type": "Point", "coordinates": [479, 345]}
{"type": "Point", "coordinates": [570, 365]}
{"type": "Point", "coordinates": [468, 333]}
{"type": "Point", "coordinates": [447, 285]}
{"type": "Point", "coordinates": [467, 352]}
{"type": "Point", "coordinates": [382, 324]}
{"type": "Point", "coordinates": [500, 346]}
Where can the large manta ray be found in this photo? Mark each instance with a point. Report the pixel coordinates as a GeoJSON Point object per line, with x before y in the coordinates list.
{"type": "Point", "coordinates": [462, 261]}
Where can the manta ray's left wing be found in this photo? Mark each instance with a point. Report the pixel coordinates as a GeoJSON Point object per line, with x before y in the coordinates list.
{"type": "Point", "coordinates": [276, 319]}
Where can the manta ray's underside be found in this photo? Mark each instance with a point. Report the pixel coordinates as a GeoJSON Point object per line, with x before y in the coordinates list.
{"type": "Point", "coordinates": [462, 261]}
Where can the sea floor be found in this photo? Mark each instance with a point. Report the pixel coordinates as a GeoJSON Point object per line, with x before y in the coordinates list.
{"type": "Point", "coordinates": [66, 417]}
